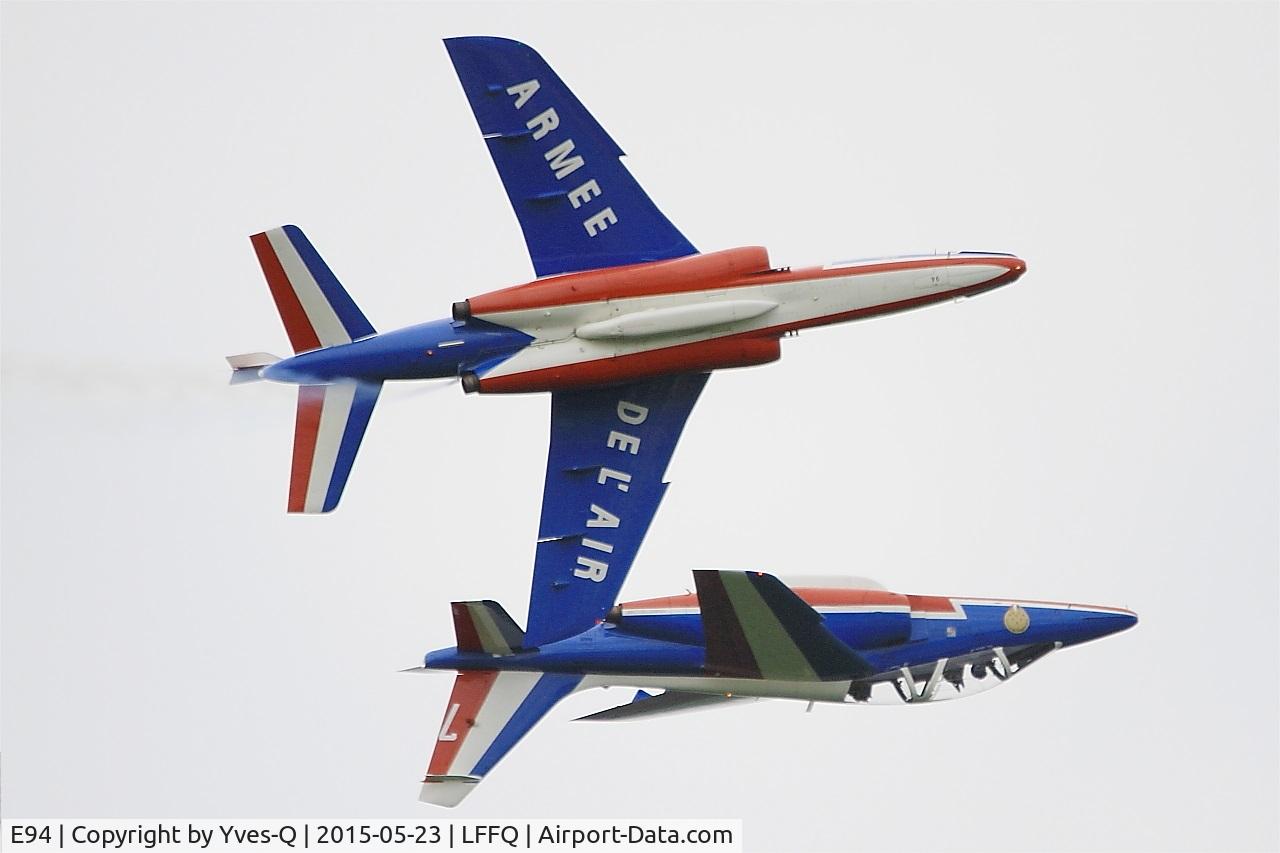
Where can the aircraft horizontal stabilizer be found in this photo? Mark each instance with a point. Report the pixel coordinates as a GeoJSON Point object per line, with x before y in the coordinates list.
{"type": "Point", "coordinates": [670, 702]}
{"type": "Point", "coordinates": [488, 713]}
{"type": "Point", "coordinates": [330, 425]}
{"type": "Point", "coordinates": [756, 627]}
{"type": "Point", "coordinates": [314, 307]}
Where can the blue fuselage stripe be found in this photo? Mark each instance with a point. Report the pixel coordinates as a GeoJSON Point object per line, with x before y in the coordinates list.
{"type": "Point", "coordinates": [410, 353]}
{"type": "Point", "coordinates": [610, 649]}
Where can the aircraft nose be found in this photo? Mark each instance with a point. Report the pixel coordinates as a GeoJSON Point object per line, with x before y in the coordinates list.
{"type": "Point", "coordinates": [986, 271]}
{"type": "Point", "coordinates": [1105, 624]}
{"type": "Point", "coordinates": [1016, 267]}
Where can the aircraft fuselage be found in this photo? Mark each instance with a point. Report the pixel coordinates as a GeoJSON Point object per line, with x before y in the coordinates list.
{"type": "Point", "coordinates": [602, 327]}
{"type": "Point", "coordinates": [659, 643]}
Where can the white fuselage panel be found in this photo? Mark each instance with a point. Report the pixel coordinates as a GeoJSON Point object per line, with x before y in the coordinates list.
{"type": "Point", "coordinates": [717, 313]}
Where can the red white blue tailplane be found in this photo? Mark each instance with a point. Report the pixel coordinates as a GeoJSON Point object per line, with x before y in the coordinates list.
{"type": "Point", "coordinates": [316, 310]}
{"type": "Point", "coordinates": [489, 710]}
{"type": "Point", "coordinates": [317, 313]}
{"type": "Point", "coordinates": [488, 713]}
{"type": "Point", "coordinates": [331, 422]}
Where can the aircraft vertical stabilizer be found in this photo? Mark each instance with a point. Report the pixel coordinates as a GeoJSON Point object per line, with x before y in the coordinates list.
{"type": "Point", "coordinates": [484, 626]}
{"type": "Point", "coordinates": [756, 627]}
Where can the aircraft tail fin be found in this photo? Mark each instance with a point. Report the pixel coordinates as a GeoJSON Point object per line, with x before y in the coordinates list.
{"type": "Point", "coordinates": [756, 627]}
{"type": "Point", "coordinates": [316, 310]}
{"type": "Point", "coordinates": [488, 713]}
{"type": "Point", "coordinates": [483, 626]}
{"type": "Point", "coordinates": [330, 425]}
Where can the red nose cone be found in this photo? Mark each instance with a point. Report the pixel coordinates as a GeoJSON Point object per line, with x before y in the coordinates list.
{"type": "Point", "coordinates": [1017, 266]}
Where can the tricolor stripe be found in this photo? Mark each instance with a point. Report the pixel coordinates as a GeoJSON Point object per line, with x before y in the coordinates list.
{"type": "Point", "coordinates": [488, 713]}
{"type": "Point", "coordinates": [483, 626]}
{"type": "Point", "coordinates": [330, 424]}
{"type": "Point", "coordinates": [487, 719]}
{"type": "Point", "coordinates": [316, 310]}
{"type": "Point", "coordinates": [549, 689]}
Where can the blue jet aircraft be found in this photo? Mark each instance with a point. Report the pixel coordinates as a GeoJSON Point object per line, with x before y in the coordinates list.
{"type": "Point", "coordinates": [742, 635]}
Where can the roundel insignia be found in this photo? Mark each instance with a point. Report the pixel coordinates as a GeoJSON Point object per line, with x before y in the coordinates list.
{"type": "Point", "coordinates": [1016, 620]}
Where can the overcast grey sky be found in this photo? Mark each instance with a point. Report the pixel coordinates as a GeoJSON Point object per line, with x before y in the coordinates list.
{"type": "Point", "coordinates": [1103, 431]}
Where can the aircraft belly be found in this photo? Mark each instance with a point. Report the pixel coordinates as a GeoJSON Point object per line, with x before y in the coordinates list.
{"type": "Point", "coordinates": [540, 356]}
{"type": "Point", "coordinates": [676, 319]}
{"type": "Point", "coordinates": [797, 303]}
{"type": "Point", "coordinates": [816, 691]}
{"type": "Point", "coordinates": [557, 322]}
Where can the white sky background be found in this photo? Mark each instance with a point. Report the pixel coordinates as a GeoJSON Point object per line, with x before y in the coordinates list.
{"type": "Point", "coordinates": [1103, 431]}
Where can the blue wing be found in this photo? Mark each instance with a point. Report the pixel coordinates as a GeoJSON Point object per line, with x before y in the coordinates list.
{"type": "Point", "coordinates": [578, 206]}
{"type": "Point", "coordinates": [609, 451]}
